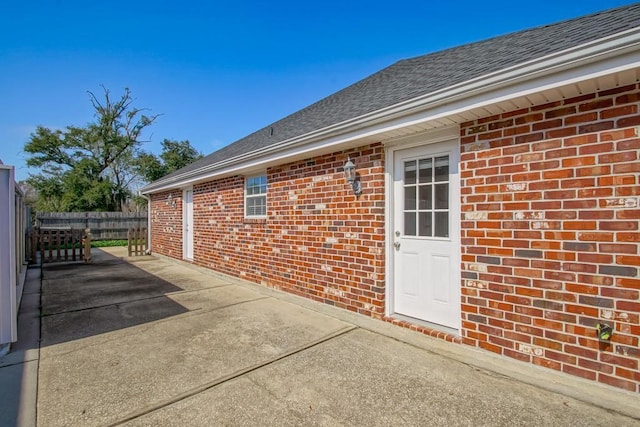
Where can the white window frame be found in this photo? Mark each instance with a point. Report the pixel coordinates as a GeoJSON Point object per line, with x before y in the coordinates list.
{"type": "Point", "coordinates": [248, 196]}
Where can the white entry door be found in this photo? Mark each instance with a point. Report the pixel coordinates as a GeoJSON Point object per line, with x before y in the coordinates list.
{"type": "Point", "coordinates": [188, 224]}
{"type": "Point", "coordinates": [426, 233]}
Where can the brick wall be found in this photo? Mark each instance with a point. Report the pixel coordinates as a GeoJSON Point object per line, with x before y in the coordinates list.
{"type": "Point", "coordinates": [318, 241]}
{"type": "Point", "coordinates": [550, 236]}
{"type": "Point", "coordinates": [166, 224]}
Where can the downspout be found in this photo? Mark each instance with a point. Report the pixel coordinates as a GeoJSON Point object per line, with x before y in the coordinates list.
{"type": "Point", "coordinates": [148, 199]}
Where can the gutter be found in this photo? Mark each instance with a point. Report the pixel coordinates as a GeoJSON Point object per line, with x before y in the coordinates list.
{"type": "Point", "coordinates": [571, 58]}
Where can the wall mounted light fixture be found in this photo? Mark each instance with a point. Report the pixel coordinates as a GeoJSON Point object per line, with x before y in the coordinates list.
{"type": "Point", "coordinates": [350, 176]}
{"type": "Point", "coordinates": [170, 201]}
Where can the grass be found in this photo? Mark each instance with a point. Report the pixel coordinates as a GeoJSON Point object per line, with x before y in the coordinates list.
{"type": "Point", "coordinates": [108, 243]}
{"type": "Point", "coordinates": [94, 244]}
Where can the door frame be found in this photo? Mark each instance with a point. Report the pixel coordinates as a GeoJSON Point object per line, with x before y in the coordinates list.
{"type": "Point", "coordinates": [391, 146]}
{"type": "Point", "coordinates": [184, 223]}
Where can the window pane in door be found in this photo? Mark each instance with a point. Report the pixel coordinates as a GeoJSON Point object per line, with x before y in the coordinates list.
{"type": "Point", "coordinates": [442, 224]}
{"type": "Point", "coordinates": [410, 172]}
{"type": "Point", "coordinates": [442, 168]}
{"type": "Point", "coordinates": [442, 196]}
{"type": "Point", "coordinates": [425, 197]}
{"type": "Point", "coordinates": [409, 198]}
{"type": "Point", "coordinates": [424, 224]}
{"type": "Point", "coordinates": [409, 223]}
{"type": "Point", "coordinates": [426, 170]}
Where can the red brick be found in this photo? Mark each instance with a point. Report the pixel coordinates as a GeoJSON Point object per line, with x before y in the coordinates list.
{"type": "Point", "coordinates": [617, 382]}
{"type": "Point", "coordinates": [628, 260]}
{"type": "Point", "coordinates": [595, 366]}
{"type": "Point", "coordinates": [628, 374]}
{"type": "Point", "coordinates": [547, 363]}
{"type": "Point", "coordinates": [578, 190]}
{"type": "Point", "coordinates": [619, 225]}
{"type": "Point", "coordinates": [560, 112]}
{"type": "Point", "coordinates": [593, 171]}
{"type": "Point", "coordinates": [616, 90]}
{"type": "Point", "coordinates": [595, 279]}
{"type": "Point", "coordinates": [595, 258]}
{"type": "Point", "coordinates": [530, 118]}
{"type": "Point", "coordinates": [628, 237]}
{"type": "Point", "coordinates": [597, 192]}
{"type": "Point", "coordinates": [560, 357]}
{"type": "Point", "coordinates": [578, 161]}
{"type": "Point", "coordinates": [583, 310]}
{"type": "Point", "coordinates": [628, 121]}
{"type": "Point", "coordinates": [518, 130]}
{"type": "Point", "coordinates": [561, 133]}
{"type": "Point", "coordinates": [628, 144]}
{"type": "Point", "coordinates": [596, 105]}
{"type": "Point", "coordinates": [490, 347]}
{"type": "Point", "coordinates": [625, 110]}
{"type": "Point", "coordinates": [581, 118]}
{"type": "Point", "coordinates": [599, 214]}
{"type": "Point", "coordinates": [578, 372]}
{"type": "Point", "coordinates": [628, 214]}
{"type": "Point", "coordinates": [628, 306]}
{"type": "Point", "coordinates": [627, 98]}
{"type": "Point", "coordinates": [577, 183]}
{"type": "Point", "coordinates": [624, 156]}
{"type": "Point", "coordinates": [581, 352]}
{"type": "Point", "coordinates": [596, 127]}
{"type": "Point", "coordinates": [582, 289]}
{"type": "Point", "coordinates": [521, 139]}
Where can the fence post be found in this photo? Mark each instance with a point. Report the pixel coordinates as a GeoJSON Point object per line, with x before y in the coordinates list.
{"type": "Point", "coordinates": [87, 246]}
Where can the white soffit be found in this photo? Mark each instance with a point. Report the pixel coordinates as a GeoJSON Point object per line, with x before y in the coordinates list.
{"type": "Point", "coordinates": [553, 94]}
{"type": "Point", "coordinates": [618, 67]}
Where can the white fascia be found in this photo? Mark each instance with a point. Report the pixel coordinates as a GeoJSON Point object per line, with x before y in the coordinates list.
{"type": "Point", "coordinates": [598, 58]}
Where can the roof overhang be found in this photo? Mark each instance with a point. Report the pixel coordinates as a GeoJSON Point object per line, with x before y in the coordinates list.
{"type": "Point", "coordinates": [605, 63]}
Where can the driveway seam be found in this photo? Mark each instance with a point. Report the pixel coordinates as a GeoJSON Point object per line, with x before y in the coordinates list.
{"type": "Point", "coordinates": [76, 310]}
{"type": "Point", "coordinates": [230, 377]}
{"type": "Point", "coordinates": [145, 327]}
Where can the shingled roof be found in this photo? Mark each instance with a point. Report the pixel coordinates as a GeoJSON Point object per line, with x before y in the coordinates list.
{"type": "Point", "coordinates": [419, 76]}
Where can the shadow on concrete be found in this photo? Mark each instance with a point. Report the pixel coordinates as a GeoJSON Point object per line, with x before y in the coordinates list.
{"type": "Point", "coordinates": [81, 300]}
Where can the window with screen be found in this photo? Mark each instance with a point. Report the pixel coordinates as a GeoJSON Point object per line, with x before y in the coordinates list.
{"type": "Point", "coordinates": [255, 196]}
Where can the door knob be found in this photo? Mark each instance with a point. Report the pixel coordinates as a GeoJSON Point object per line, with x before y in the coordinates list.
{"type": "Point", "coordinates": [396, 245]}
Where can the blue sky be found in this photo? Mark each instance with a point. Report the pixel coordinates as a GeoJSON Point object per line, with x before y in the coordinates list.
{"type": "Point", "coordinates": [219, 70]}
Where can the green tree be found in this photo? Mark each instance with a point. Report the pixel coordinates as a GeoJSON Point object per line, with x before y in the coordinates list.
{"type": "Point", "coordinates": [89, 168]}
{"type": "Point", "coordinates": [175, 155]}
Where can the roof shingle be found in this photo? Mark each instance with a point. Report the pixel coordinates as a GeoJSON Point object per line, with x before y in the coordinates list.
{"type": "Point", "coordinates": [419, 76]}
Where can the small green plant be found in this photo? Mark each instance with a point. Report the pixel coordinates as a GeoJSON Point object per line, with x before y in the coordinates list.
{"type": "Point", "coordinates": [94, 244]}
{"type": "Point", "coordinates": [107, 243]}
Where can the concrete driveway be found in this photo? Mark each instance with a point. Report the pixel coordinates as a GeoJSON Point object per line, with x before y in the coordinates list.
{"type": "Point", "coordinates": [150, 341]}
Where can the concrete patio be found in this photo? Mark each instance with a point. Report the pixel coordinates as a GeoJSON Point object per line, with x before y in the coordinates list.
{"type": "Point", "coordinates": [150, 341]}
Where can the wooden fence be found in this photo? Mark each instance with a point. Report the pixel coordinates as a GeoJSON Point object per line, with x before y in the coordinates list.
{"type": "Point", "coordinates": [137, 241]}
{"type": "Point", "coordinates": [103, 225]}
{"type": "Point", "coordinates": [60, 245]}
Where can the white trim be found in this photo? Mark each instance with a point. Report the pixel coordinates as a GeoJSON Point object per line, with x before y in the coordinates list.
{"type": "Point", "coordinates": [265, 194]}
{"type": "Point", "coordinates": [391, 146]}
{"type": "Point", "coordinates": [388, 225]}
{"type": "Point", "coordinates": [598, 58]}
{"type": "Point", "coordinates": [432, 136]}
{"type": "Point", "coordinates": [423, 139]}
{"type": "Point", "coordinates": [185, 254]}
